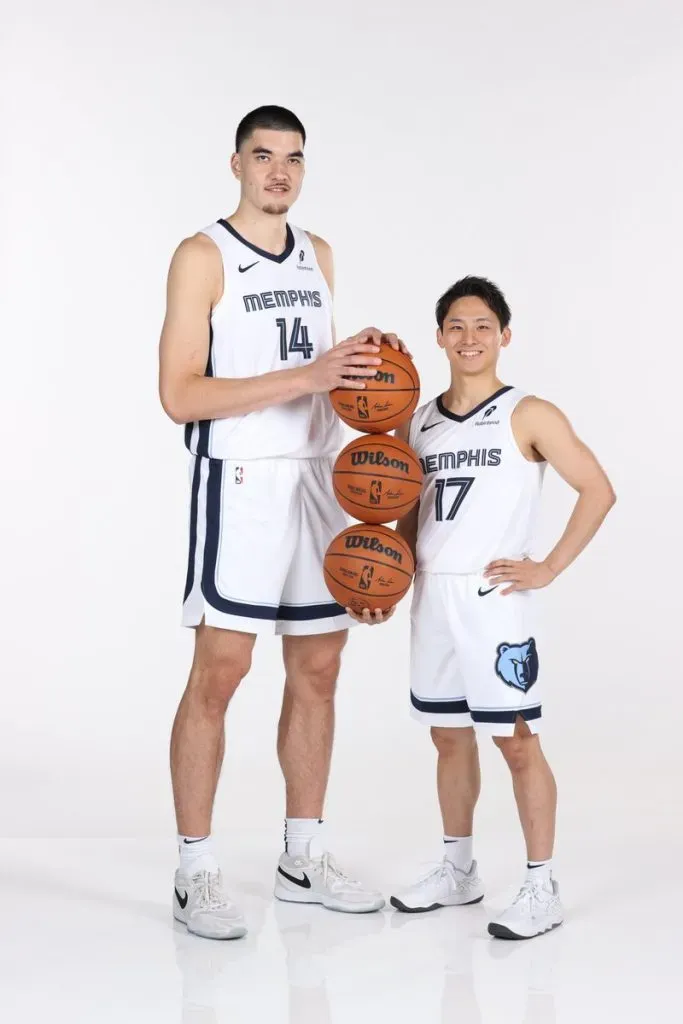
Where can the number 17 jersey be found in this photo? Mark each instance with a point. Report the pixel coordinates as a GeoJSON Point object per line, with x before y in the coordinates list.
{"type": "Point", "coordinates": [480, 496]}
{"type": "Point", "coordinates": [275, 314]}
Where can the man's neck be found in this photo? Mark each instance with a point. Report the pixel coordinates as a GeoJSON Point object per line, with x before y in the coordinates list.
{"type": "Point", "coordinates": [466, 393]}
{"type": "Point", "coordinates": [266, 230]}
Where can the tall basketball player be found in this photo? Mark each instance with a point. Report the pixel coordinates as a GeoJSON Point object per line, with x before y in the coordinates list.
{"type": "Point", "coordinates": [475, 652]}
{"type": "Point", "coordinates": [246, 358]}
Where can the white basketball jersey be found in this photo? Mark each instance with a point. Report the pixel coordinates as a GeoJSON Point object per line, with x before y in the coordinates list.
{"type": "Point", "coordinates": [275, 314]}
{"type": "Point", "coordinates": [480, 495]}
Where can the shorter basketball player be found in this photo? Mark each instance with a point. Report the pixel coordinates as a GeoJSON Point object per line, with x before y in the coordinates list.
{"type": "Point", "coordinates": [475, 652]}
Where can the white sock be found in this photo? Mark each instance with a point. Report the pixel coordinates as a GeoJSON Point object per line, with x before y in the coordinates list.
{"type": "Point", "coordinates": [539, 871]}
{"type": "Point", "coordinates": [459, 851]}
{"type": "Point", "coordinates": [300, 833]}
{"type": "Point", "coordinates": [196, 854]}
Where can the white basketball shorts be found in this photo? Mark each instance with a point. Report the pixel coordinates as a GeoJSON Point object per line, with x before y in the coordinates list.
{"type": "Point", "coordinates": [474, 657]}
{"type": "Point", "coordinates": [259, 530]}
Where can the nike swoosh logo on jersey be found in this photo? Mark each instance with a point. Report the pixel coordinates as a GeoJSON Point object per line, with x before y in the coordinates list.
{"type": "Point", "coordinates": [428, 426]}
{"type": "Point", "coordinates": [483, 593]}
{"type": "Point", "coordinates": [304, 882]}
{"type": "Point", "coordinates": [243, 270]}
{"type": "Point", "coordinates": [182, 900]}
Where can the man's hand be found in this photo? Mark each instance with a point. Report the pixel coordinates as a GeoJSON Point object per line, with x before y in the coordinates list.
{"type": "Point", "coordinates": [524, 575]}
{"type": "Point", "coordinates": [350, 359]}
{"type": "Point", "coordinates": [376, 336]}
{"type": "Point", "coordinates": [372, 618]}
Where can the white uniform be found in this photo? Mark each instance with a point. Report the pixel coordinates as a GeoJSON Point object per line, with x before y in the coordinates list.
{"type": "Point", "coordinates": [262, 509]}
{"type": "Point", "coordinates": [474, 658]}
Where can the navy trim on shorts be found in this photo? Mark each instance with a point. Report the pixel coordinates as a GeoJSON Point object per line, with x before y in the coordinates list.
{"type": "Point", "coordinates": [194, 502]}
{"type": "Point", "coordinates": [507, 717]}
{"type": "Point", "coordinates": [289, 613]}
{"type": "Point", "coordinates": [440, 707]}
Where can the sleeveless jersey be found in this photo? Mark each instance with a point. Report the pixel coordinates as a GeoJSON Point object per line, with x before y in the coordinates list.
{"type": "Point", "coordinates": [275, 314]}
{"type": "Point", "coordinates": [480, 495]}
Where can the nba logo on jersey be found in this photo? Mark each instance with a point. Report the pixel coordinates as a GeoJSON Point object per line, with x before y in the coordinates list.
{"type": "Point", "coordinates": [239, 474]}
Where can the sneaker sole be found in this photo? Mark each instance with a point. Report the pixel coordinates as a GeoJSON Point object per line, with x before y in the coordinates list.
{"type": "Point", "coordinates": [395, 902]}
{"type": "Point", "coordinates": [499, 931]}
{"type": "Point", "coordinates": [285, 896]}
{"type": "Point", "coordinates": [236, 932]}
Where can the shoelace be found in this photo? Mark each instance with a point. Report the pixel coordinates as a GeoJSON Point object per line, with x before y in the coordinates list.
{"type": "Point", "coordinates": [211, 895]}
{"type": "Point", "coordinates": [530, 893]}
{"type": "Point", "coordinates": [338, 878]}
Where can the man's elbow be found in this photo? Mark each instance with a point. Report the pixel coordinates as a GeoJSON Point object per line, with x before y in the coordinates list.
{"type": "Point", "coordinates": [173, 406]}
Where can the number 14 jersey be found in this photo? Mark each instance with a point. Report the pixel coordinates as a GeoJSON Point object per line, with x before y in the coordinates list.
{"type": "Point", "coordinates": [275, 314]}
{"type": "Point", "coordinates": [480, 495]}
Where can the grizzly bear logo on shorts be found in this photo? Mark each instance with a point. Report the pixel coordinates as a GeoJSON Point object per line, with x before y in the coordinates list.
{"type": "Point", "coordinates": [517, 664]}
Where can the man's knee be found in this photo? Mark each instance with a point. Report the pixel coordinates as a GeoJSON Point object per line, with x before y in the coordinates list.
{"type": "Point", "coordinates": [221, 663]}
{"type": "Point", "coordinates": [448, 741]}
{"type": "Point", "coordinates": [312, 665]}
{"type": "Point", "coordinates": [519, 751]}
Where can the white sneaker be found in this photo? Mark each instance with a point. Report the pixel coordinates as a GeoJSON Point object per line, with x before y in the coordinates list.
{"type": "Point", "coordinates": [535, 909]}
{"type": "Point", "coordinates": [301, 880]}
{"type": "Point", "coordinates": [445, 886]}
{"type": "Point", "coordinates": [200, 903]}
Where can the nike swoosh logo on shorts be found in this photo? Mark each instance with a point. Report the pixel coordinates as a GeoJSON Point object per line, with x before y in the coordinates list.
{"type": "Point", "coordinates": [243, 270]}
{"type": "Point", "coordinates": [304, 882]}
{"type": "Point", "coordinates": [182, 900]}
{"type": "Point", "coordinates": [428, 426]}
{"type": "Point", "coordinates": [483, 593]}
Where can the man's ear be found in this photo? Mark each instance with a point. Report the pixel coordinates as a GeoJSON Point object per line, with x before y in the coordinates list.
{"type": "Point", "coordinates": [506, 338]}
{"type": "Point", "coordinates": [236, 165]}
{"type": "Point", "coordinates": [439, 338]}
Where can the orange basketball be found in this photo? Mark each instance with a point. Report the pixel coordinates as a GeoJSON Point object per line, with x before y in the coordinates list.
{"type": "Point", "coordinates": [387, 400]}
{"type": "Point", "coordinates": [368, 567]}
{"type": "Point", "coordinates": [377, 478]}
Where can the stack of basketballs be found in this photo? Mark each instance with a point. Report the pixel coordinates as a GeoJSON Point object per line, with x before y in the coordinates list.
{"type": "Point", "coordinates": [377, 479]}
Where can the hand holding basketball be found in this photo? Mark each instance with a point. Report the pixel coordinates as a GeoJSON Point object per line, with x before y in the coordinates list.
{"type": "Point", "coordinates": [371, 618]}
{"type": "Point", "coordinates": [377, 337]}
{"type": "Point", "coordinates": [355, 357]}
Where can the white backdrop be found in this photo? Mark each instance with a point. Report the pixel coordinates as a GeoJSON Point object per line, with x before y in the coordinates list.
{"type": "Point", "coordinates": [538, 144]}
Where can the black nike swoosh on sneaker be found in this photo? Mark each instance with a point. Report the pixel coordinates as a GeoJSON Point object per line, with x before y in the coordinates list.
{"type": "Point", "coordinates": [243, 270]}
{"type": "Point", "coordinates": [428, 426]}
{"type": "Point", "coordinates": [182, 900]}
{"type": "Point", "coordinates": [483, 593]}
{"type": "Point", "coordinates": [304, 882]}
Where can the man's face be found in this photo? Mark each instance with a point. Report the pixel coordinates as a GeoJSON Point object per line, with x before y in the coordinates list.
{"type": "Point", "coordinates": [270, 169]}
{"type": "Point", "coordinates": [471, 336]}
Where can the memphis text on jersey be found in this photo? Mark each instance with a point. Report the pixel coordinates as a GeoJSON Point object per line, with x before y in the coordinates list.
{"type": "Point", "coordinates": [454, 460]}
{"type": "Point", "coordinates": [281, 299]}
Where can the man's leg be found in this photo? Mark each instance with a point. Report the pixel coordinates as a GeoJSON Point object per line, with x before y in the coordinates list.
{"type": "Point", "coordinates": [458, 778]}
{"type": "Point", "coordinates": [537, 908]}
{"type": "Point", "coordinates": [534, 788]}
{"type": "Point", "coordinates": [221, 660]}
{"type": "Point", "coordinates": [458, 781]}
{"type": "Point", "coordinates": [306, 728]}
{"type": "Point", "coordinates": [305, 735]}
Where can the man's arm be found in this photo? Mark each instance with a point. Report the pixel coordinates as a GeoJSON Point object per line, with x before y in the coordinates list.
{"type": "Point", "coordinates": [541, 430]}
{"type": "Point", "coordinates": [194, 287]}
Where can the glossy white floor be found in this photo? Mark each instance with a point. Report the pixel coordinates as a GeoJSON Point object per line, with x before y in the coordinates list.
{"type": "Point", "coordinates": [88, 936]}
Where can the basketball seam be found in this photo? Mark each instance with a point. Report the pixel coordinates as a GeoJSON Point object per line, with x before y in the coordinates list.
{"type": "Point", "coordinates": [365, 595]}
{"type": "Point", "coordinates": [373, 561]}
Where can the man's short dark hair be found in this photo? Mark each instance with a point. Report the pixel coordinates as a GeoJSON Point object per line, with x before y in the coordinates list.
{"type": "Point", "coordinates": [480, 288]}
{"type": "Point", "coordinates": [277, 118]}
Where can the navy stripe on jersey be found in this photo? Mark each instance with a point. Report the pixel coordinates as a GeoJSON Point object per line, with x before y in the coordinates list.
{"type": "Point", "coordinates": [194, 501]}
{"type": "Point", "coordinates": [290, 613]}
{"type": "Point", "coordinates": [473, 412]}
{"type": "Point", "coordinates": [289, 244]}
